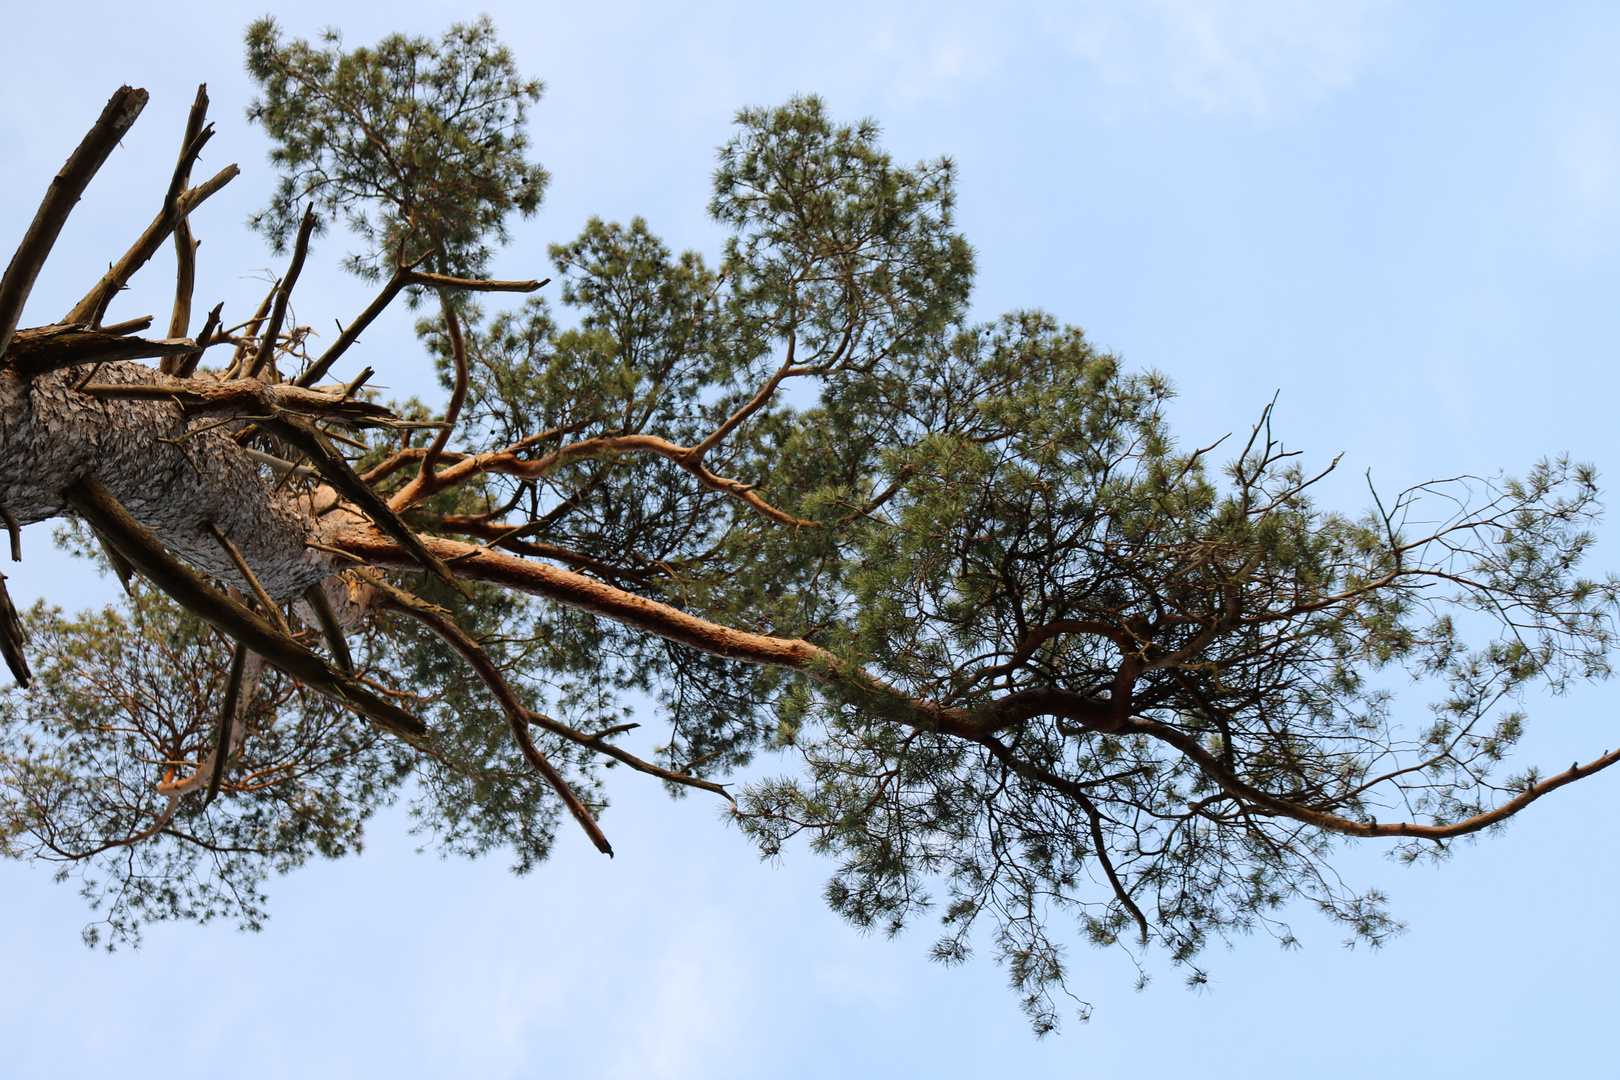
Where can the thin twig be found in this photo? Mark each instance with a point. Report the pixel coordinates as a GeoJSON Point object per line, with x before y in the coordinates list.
{"type": "Point", "coordinates": [517, 714]}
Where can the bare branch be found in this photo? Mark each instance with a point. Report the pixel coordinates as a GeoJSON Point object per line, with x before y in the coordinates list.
{"type": "Point", "coordinates": [278, 314]}
{"type": "Point", "coordinates": [186, 366]}
{"type": "Point", "coordinates": [227, 721]}
{"type": "Point", "coordinates": [14, 532]}
{"type": "Point", "coordinates": [43, 349]}
{"type": "Point", "coordinates": [272, 611]}
{"type": "Point", "coordinates": [185, 245]}
{"type": "Point", "coordinates": [102, 510]}
{"type": "Point", "coordinates": [332, 466]}
{"type": "Point", "coordinates": [244, 397]}
{"type": "Point", "coordinates": [11, 637]}
{"type": "Point", "coordinates": [88, 311]}
{"type": "Point", "coordinates": [66, 187]}
{"type": "Point", "coordinates": [331, 629]}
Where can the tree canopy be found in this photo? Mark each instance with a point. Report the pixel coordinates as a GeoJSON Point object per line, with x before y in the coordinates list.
{"type": "Point", "coordinates": [941, 595]}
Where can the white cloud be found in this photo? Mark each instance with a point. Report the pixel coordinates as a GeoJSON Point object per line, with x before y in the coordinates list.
{"type": "Point", "coordinates": [1261, 57]}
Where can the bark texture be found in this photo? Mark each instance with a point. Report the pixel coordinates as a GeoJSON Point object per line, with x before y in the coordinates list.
{"type": "Point", "coordinates": [176, 474]}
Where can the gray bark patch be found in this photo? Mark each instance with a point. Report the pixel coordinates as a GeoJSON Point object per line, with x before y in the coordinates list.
{"type": "Point", "coordinates": [175, 475]}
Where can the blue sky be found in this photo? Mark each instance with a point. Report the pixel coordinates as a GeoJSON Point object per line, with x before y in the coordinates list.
{"type": "Point", "coordinates": [1404, 217]}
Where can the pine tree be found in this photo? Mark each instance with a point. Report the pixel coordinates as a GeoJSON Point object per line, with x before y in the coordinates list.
{"type": "Point", "coordinates": [1017, 653]}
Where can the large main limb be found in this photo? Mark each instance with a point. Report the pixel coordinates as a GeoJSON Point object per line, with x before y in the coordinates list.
{"type": "Point", "coordinates": [851, 682]}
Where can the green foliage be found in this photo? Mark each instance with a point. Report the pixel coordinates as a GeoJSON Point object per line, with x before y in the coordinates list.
{"type": "Point", "coordinates": [1069, 678]}
{"type": "Point", "coordinates": [419, 145]}
{"type": "Point", "coordinates": [128, 698]}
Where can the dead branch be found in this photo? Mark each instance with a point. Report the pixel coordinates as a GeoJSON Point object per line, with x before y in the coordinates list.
{"type": "Point", "coordinates": [227, 721]}
{"type": "Point", "coordinates": [90, 309]}
{"type": "Point", "coordinates": [12, 638]}
{"type": "Point", "coordinates": [43, 349]}
{"type": "Point", "coordinates": [186, 366]}
{"type": "Point", "coordinates": [278, 314]}
{"type": "Point", "coordinates": [244, 397]}
{"type": "Point", "coordinates": [102, 510]}
{"type": "Point", "coordinates": [66, 188]}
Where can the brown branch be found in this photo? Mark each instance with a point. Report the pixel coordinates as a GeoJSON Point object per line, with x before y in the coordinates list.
{"type": "Point", "coordinates": [331, 629]}
{"type": "Point", "coordinates": [1262, 800]}
{"type": "Point", "coordinates": [115, 558]}
{"type": "Point", "coordinates": [517, 714]}
{"type": "Point", "coordinates": [336, 471]}
{"type": "Point", "coordinates": [598, 743]}
{"type": "Point", "coordinates": [510, 537]}
{"type": "Point", "coordinates": [585, 594]}
{"type": "Point", "coordinates": [89, 310]}
{"type": "Point", "coordinates": [14, 531]}
{"type": "Point", "coordinates": [244, 397]}
{"type": "Point", "coordinates": [250, 331]}
{"type": "Point", "coordinates": [1101, 845]}
{"type": "Point", "coordinates": [404, 277]}
{"type": "Point", "coordinates": [227, 719]}
{"type": "Point", "coordinates": [350, 335]}
{"type": "Point", "coordinates": [424, 479]}
{"type": "Point", "coordinates": [102, 511]}
{"type": "Point", "coordinates": [695, 454]}
{"type": "Point", "coordinates": [64, 191]}
{"type": "Point", "coordinates": [267, 343]}
{"type": "Point", "coordinates": [186, 366]}
{"type": "Point", "coordinates": [271, 610]}
{"type": "Point", "coordinates": [594, 597]}
{"type": "Point", "coordinates": [185, 245]}
{"type": "Point", "coordinates": [43, 349]}
{"type": "Point", "coordinates": [11, 638]}
{"type": "Point", "coordinates": [509, 464]}
{"type": "Point", "coordinates": [442, 281]}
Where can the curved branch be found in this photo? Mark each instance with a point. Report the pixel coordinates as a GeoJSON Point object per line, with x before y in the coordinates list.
{"type": "Point", "coordinates": [1234, 786]}
{"type": "Point", "coordinates": [507, 463]}
{"type": "Point", "coordinates": [517, 714]}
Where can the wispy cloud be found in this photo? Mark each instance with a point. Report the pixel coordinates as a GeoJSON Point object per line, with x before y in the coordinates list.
{"type": "Point", "coordinates": [1260, 57]}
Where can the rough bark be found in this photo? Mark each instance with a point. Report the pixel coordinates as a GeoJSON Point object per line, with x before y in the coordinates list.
{"type": "Point", "coordinates": [176, 474]}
